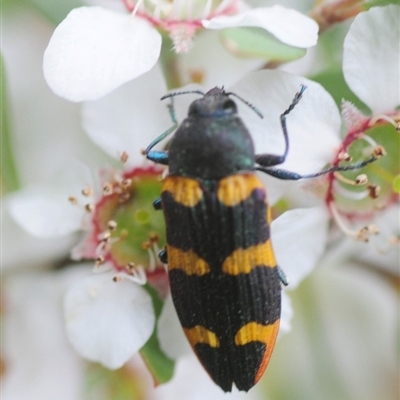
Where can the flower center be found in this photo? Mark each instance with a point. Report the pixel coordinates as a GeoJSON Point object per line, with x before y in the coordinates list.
{"type": "Point", "coordinates": [184, 10]}
{"type": "Point", "coordinates": [180, 18]}
{"type": "Point", "coordinates": [126, 227]}
{"type": "Point", "coordinates": [355, 197]}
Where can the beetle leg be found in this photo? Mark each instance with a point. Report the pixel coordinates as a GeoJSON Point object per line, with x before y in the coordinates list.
{"type": "Point", "coordinates": [161, 157]}
{"type": "Point", "coordinates": [269, 160]}
{"type": "Point", "coordinates": [282, 276]}
{"type": "Point", "coordinates": [294, 176]}
{"type": "Point", "coordinates": [163, 256]}
{"type": "Point", "coordinates": [157, 204]}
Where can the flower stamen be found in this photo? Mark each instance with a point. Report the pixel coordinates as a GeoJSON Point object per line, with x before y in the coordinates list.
{"type": "Point", "coordinates": [107, 189]}
{"type": "Point", "coordinates": [136, 8]}
{"type": "Point", "coordinates": [99, 261]}
{"type": "Point", "coordinates": [87, 192]}
{"type": "Point", "coordinates": [112, 225]}
{"type": "Point", "coordinates": [356, 196]}
{"type": "Point", "coordinates": [124, 157]}
{"type": "Point", "coordinates": [344, 156]}
{"type": "Point", "coordinates": [89, 207]}
{"type": "Point", "coordinates": [73, 200]}
{"type": "Point", "coordinates": [379, 117]}
{"type": "Point", "coordinates": [362, 234]}
{"type": "Point", "coordinates": [125, 184]}
{"type": "Point", "coordinates": [361, 179]}
{"type": "Point", "coordinates": [130, 267]}
{"type": "Point", "coordinates": [374, 190]}
{"type": "Point", "coordinates": [136, 275]}
{"type": "Point", "coordinates": [369, 140]}
{"type": "Point", "coordinates": [379, 151]}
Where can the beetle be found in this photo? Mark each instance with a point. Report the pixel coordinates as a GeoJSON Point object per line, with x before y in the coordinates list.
{"type": "Point", "coordinates": [224, 278]}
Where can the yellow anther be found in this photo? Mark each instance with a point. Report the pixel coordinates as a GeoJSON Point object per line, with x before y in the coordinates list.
{"type": "Point", "coordinates": [124, 157]}
{"type": "Point", "coordinates": [87, 192]}
{"type": "Point", "coordinates": [111, 225]}
{"type": "Point", "coordinates": [107, 189]}
{"type": "Point", "coordinates": [89, 208]}
{"type": "Point", "coordinates": [73, 200]}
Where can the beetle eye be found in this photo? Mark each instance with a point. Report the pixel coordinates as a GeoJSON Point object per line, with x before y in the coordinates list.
{"type": "Point", "coordinates": [229, 106]}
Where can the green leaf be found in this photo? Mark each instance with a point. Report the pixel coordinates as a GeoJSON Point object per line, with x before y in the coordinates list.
{"type": "Point", "coordinates": [9, 175]}
{"type": "Point", "coordinates": [396, 184]}
{"type": "Point", "coordinates": [333, 81]}
{"type": "Point", "coordinates": [103, 384]}
{"type": "Point", "coordinates": [379, 3]}
{"type": "Point", "coordinates": [160, 366]}
{"type": "Point", "coordinates": [55, 10]}
{"type": "Point", "coordinates": [135, 220]}
{"type": "Point", "coordinates": [257, 43]}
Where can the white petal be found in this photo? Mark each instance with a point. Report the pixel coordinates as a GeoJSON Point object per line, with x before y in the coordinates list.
{"type": "Point", "coordinates": [275, 188]}
{"type": "Point", "coordinates": [49, 134]}
{"type": "Point", "coordinates": [170, 333]}
{"type": "Point", "coordinates": [44, 214]}
{"type": "Point", "coordinates": [286, 314]}
{"type": "Point", "coordinates": [299, 238]}
{"type": "Point", "coordinates": [313, 125]}
{"type": "Point", "coordinates": [182, 103]}
{"type": "Point", "coordinates": [94, 50]}
{"type": "Point", "coordinates": [40, 363]}
{"type": "Point", "coordinates": [341, 315]}
{"type": "Point", "coordinates": [380, 251]}
{"type": "Point", "coordinates": [21, 250]}
{"type": "Point", "coordinates": [44, 210]}
{"type": "Point", "coordinates": [109, 4]}
{"type": "Point", "coordinates": [129, 118]}
{"type": "Point", "coordinates": [225, 68]}
{"type": "Point", "coordinates": [287, 25]}
{"type": "Point", "coordinates": [108, 321]}
{"type": "Point", "coordinates": [371, 58]}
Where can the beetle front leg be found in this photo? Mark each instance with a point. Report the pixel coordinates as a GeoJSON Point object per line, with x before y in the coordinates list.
{"type": "Point", "coordinates": [161, 157]}
{"type": "Point", "coordinates": [270, 160]}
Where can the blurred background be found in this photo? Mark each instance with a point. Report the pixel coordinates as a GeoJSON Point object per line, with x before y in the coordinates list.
{"type": "Point", "coordinates": [344, 337]}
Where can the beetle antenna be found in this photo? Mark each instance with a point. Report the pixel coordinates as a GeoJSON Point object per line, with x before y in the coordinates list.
{"type": "Point", "coordinates": [254, 108]}
{"type": "Point", "coordinates": [178, 93]}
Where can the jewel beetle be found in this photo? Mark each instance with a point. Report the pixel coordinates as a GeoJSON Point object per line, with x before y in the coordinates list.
{"type": "Point", "coordinates": [224, 278]}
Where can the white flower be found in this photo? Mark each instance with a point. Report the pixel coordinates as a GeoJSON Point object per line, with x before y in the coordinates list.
{"type": "Point", "coordinates": [95, 50]}
{"type": "Point", "coordinates": [371, 60]}
{"type": "Point", "coordinates": [108, 321]}
{"type": "Point", "coordinates": [44, 212]}
{"type": "Point", "coordinates": [39, 361]}
{"type": "Point", "coordinates": [46, 135]}
{"type": "Point", "coordinates": [47, 201]}
{"type": "Point", "coordinates": [371, 69]}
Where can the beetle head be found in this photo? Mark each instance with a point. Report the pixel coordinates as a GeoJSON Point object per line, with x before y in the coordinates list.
{"type": "Point", "coordinates": [215, 103]}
